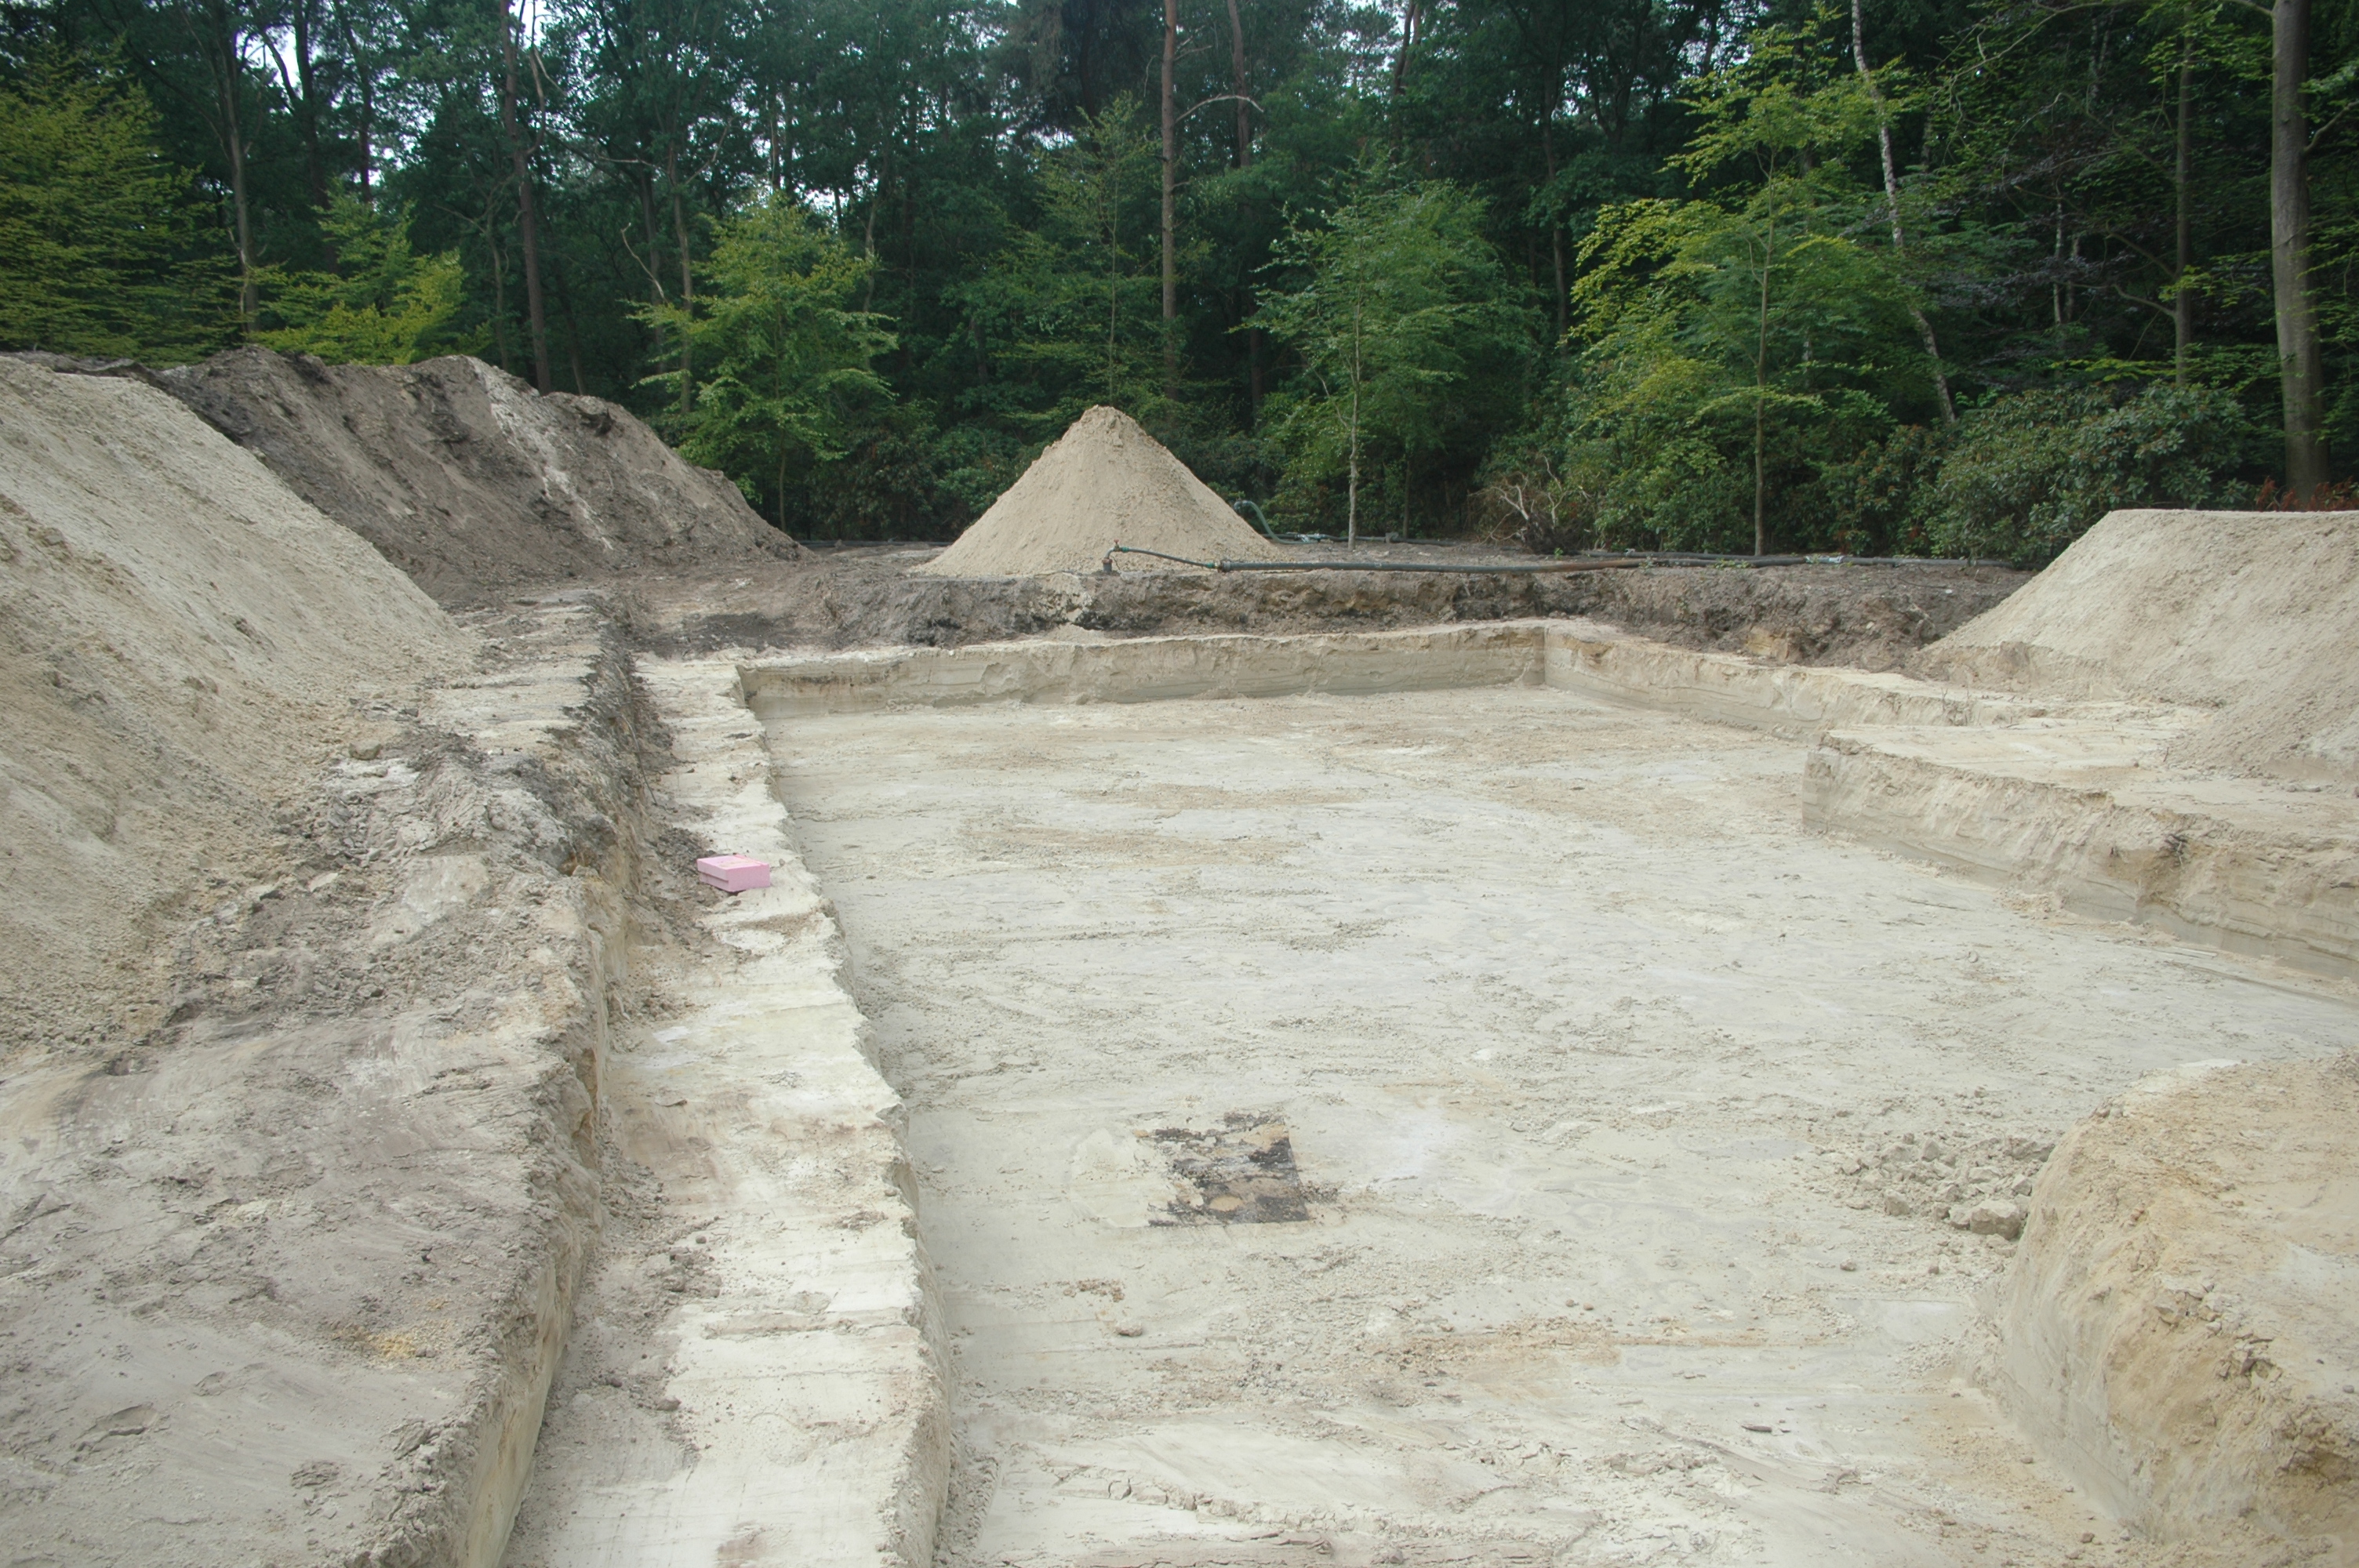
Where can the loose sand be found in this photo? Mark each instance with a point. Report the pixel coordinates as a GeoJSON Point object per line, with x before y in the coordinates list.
{"type": "Point", "coordinates": [1599, 1076]}
{"type": "Point", "coordinates": [1103, 482]}
{"type": "Point", "coordinates": [184, 641]}
{"type": "Point", "coordinates": [469, 480]}
{"type": "Point", "coordinates": [2253, 614]}
{"type": "Point", "coordinates": [2179, 1328]}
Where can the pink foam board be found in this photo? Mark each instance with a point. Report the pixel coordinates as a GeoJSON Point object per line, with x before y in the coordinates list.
{"type": "Point", "coordinates": [733, 873]}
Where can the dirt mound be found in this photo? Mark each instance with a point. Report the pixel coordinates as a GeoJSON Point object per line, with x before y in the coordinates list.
{"type": "Point", "coordinates": [2255, 614]}
{"type": "Point", "coordinates": [1103, 482]}
{"type": "Point", "coordinates": [2177, 1329]}
{"type": "Point", "coordinates": [183, 643]}
{"type": "Point", "coordinates": [469, 480]}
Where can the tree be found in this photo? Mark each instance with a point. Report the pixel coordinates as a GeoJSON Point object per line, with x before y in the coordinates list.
{"type": "Point", "coordinates": [789, 363]}
{"type": "Point", "coordinates": [383, 305]}
{"type": "Point", "coordinates": [103, 247]}
{"type": "Point", "coordinates": [1755, 330]}
{"type": "Point", "coordinates": [2301, 355]}
{"type": "Point", "coordinates": [1065, 308]}
{"type": "Point", "coordinates": [1407, 326]}
{"type": "Point", "coordinates": [1781, 121]}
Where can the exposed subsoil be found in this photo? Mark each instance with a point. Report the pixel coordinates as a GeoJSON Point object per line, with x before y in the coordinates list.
{"type": "Point", "coordinates": [1476, 1126]}
{"type": "Point", "coordinates": [1876, 617]}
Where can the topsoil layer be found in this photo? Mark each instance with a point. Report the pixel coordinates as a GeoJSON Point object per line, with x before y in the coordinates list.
{"type": "Point", "coordinates": [469, 480]}
{"type": "Point", "coordinates": [1876, 617]}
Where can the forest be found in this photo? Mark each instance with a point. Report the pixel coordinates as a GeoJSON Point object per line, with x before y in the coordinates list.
{"type": "Point", "coordinates": [1946, 278]}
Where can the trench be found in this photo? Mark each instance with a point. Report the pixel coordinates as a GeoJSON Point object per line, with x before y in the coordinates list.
{"type": "Point", "coordinates": [1426, 1125]}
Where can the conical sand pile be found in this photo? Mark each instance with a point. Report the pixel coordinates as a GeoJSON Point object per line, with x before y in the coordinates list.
{"type": "Point", "coordinates": [1105, 483]}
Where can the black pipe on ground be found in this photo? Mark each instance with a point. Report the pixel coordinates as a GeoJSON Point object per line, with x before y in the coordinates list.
{"type": "Point", "coordinates": [1574, 564]}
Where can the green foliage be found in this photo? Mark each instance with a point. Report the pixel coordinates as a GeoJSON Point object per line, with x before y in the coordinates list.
{"type": "Point", "coordinates": [785, 380]}
{"type": "Point", "coordinates": [1068, 309]}
{"type": "Point", "coordinates": [1680, 204]}
{"type": "Point", "coordinates": [1406, 327]}
{"type": "Point", "coordinates": [102, 251]}
{"type": "Point", "coordinates": [1735, 345]}
{"type": "Point", "coordinates": [2031, 472]}
{"type": "Point", "coordinates": [385, 305]}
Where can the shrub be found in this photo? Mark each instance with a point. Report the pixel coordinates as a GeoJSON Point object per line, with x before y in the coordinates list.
{"type": "Point", "coordinates": [2029, 472]}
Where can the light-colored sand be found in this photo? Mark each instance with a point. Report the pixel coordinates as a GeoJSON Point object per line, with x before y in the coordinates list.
{"type": "Point", "coordinates": [1598, 1072]}
{"type": "Point", "coordinates": [2254, 615]}
{"type": "Point", "coordinates": [183, 643]}
{"type": "Point", "coordinates": [2179, 1328]}
{"type": "Point", "coordinates": [1103, 482]}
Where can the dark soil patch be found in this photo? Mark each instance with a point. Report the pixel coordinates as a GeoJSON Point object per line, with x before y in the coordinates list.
{"type": "Point", "coordinates": [1873, 617]}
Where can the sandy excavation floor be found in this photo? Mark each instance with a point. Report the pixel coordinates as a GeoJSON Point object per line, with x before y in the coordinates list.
{"type": "Point", "coordinates": [1575, 1043]}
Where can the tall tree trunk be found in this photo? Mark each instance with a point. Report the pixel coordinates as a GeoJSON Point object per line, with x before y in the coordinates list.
{"type": "Point", "coordinates": [499, 284]}
{"type": "Point", "coordinates": [2182, 300]}
{"type": "Point", "coordinates": [1761, 400]}
{"type": "Point", "coordinates": [647, 222]}
{"type": "Point", "coordinates": [1352, 491]}
{"type": "Point", "coordinates": [688, 277]}
{"type": "Point", "coordinates": [1409, 41]}
{"type": "Point", "coordinates": [1556, 230]}
{"type": "Point", "coordinates": [226, 82]}
{"type": "Point", "coordinates": [572, 329]}
{"type": "Point", "coordinates": [527, 236]}
{"type": "Point", "coordinates": [1170, 186]}
{"type": "Point", "coordinates": [2302, 368]}
{"type": "Point", "coordinates": [1238, 85]}
{"type": "Point", "coordinates": [314, 168]}
{"type": "Point", "coordinates": [367, 70]}
{"type": "Point", "coordinates": [1892, 201]}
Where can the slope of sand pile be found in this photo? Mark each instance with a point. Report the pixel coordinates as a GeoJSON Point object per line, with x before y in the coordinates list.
{"type": "Point", "coordinates": [182, 639]}
{"type": "Point", "coordinates": [2253, 614]}
{"type": "Point", "coordinates": [469, 480]}
{"type": "Point", "coordinates": [2177, 1325]}
{"type": "Point", "coordinates": [1103, 482]}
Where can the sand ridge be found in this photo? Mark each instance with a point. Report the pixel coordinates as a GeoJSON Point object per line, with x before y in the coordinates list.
{"type": "Point", "coordinates": [183, 643]}
{"type": "Point", "coordinates": [1105, 481]}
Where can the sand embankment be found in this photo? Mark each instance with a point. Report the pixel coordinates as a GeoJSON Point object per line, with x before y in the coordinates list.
{"type": "Point", "coordinates": [2253, 615]}
{"type": "Point", "coordinates": [183, 639]}
{"type": "Point", "coordinates": [471, 482]}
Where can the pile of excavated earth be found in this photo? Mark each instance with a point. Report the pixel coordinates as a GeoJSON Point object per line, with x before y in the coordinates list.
{"type": "Point", "coordinates": [1103, 483]}
{"type": "Point", "coordinates": [1841, 1063]}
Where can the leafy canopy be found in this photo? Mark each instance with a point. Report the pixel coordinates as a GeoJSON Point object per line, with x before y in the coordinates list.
{"type": "Point", "coordinates": [784, 362]}
{"type": "Point", "coordinates": [386, 305]}
{"type": "Point", "coordinates": [1408, 328]}
{"type": "Point", "coordinates": [104, 250]}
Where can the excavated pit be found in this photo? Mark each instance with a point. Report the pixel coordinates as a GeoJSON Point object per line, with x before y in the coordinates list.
{"type": "Point", "coordinates": [1499, 1092]}
{"type": "Point", "coordinates": [1427, 1098]}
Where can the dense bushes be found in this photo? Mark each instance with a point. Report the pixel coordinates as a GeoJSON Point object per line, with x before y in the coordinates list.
{"type": "Point", "coordinates": [2027, 474]}
{"type": "Point", "coordinates": [2017, 479]}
